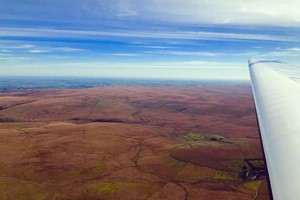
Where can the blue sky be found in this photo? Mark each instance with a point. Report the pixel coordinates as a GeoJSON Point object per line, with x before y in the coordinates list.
{"type": "Point", "coordinates": [145, 38]}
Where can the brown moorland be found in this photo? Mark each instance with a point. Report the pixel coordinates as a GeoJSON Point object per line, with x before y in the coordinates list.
{"type": "Point", "coordinates": [184, 143]}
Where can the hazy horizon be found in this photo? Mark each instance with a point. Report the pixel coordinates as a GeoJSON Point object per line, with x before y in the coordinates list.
{"type": "Point", "coordinates": [38, 82]}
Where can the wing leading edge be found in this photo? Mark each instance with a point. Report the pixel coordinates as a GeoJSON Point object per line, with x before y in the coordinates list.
{"type": "Point", "coordinates": [276, 90]}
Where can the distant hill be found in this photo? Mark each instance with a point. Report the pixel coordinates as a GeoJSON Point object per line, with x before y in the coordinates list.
{"type": "Point", "coordinates": [28, 83]}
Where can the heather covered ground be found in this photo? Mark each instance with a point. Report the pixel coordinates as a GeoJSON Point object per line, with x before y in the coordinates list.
{"type": "Point", "coordinates": [129, 142]}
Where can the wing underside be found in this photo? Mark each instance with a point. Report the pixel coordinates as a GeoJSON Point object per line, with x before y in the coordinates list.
{"type": "Point", "coordinates": [276, 90]}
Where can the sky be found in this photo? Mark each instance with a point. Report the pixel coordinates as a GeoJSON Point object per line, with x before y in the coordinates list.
{"type": "Point", "coordinates": [190, 39]}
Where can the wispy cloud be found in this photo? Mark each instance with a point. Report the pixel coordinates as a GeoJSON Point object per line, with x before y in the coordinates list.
{"type": "Point", "coordinates": [15, 46]}
{"type": "Point", "coordinates": [187, 53]}
{"type": "Point", "coordinates": [125, 10]}
{"type": "Point", "coordinates": [294, 49]}
{"type": "Point", "coordinates": [30, 48]}
{"type": "Point", "coordinates": [255, 12]}
{"type": "Point", "coordinates": [157, 34]}
{"type": "Point", "coordinates": [156, 65]}
{"type": "Point", "coordinates": [191, 69]}
{"type": "Point", "coordinates": [202, 53]}
{"type": "Point", "coordinates": [124, 54]}
{"type": "Point", "coordinates": [38, 51]}
{"type": "Point", "coordinates": [283, 52]}
{"type": "Point", "coordinates": [5, 54]}
{"type": "Point", "coordinates": [66, 49]}
{"type": "Point", "coordinates": [5, 51]}
{"type": "Point", "coordinates": [282, 13]}
{"type": "Point", "coordinates": [196, 65]}
{"type": "Point", "coordinates": [53, 49]}
{"type": "Point", "coordinates": [156, 47]}
{"type": "Point", "coordinates": [14, 59]}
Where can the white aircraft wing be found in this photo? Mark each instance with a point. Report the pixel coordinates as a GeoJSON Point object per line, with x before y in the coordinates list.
{"type": "Point", "coordinates": [276, 89]}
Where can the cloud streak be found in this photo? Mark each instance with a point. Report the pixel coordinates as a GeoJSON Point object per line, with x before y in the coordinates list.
{"type": "Point", "coordinates": [157, 34]}
{"type": "Point", "coordinates": [124, 54]}
{"type": "Point", "coordinates": [283, 52]}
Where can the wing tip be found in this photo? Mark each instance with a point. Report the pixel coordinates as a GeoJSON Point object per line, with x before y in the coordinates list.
{"type": "Point", "coordinates": [253, 61]}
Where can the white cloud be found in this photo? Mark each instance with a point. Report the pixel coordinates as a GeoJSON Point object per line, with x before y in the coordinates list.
{"type": "Point", "coordinates": [280, 13]}
{"type": "Point", "coordinates": [157, 34]}
{"type": "Point", "coordinates": [5, 54]}
{"type": "Point", "coordinates": [124, 9]}
{"type": "Point", "coordinates": [154, 65]}
{"type": "Point", "coordinates": [202, 53]}
{"type": "Point", "coordinates": [38, 51]}
{"type": "Point", "coordinates": [181, 69]}
{"type": "Point", "coordinates": [65, 49]}
{"type": "Point", "coordinates": [14, 59]}
{"type": "Point", "coordinates": [187, 53]}
{"type": "Point", "coordinates": [8, 46]}
{"type": "Point", "coordinates": [196, 65]}
{"type": "Point", "coordinates": [254, 12]}
{"type": "Point", "coordinates": [124, 54]}
{"type": "Point", "coordinates": [26, 46]}
{"type": "Point", "coordinates": [283, 52]}
{"type": "Point", "coordinates": [156, 47]}
{"type": "Point", "coordinates": [5, 51]}
{"type": "Point", "coordinates": [191, 69]}
{"type": "Point", "coordinates": [295, 49]}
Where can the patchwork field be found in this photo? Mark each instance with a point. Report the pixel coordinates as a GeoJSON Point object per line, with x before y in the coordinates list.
{"type": "Point", "coordinates": [183, 143]}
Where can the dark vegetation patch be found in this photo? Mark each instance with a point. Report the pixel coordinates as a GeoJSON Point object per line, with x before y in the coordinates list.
{"type": "Point", "coordinates": [195, 137]}
{"type": "Point", "coordinates": [85, 120]}
{"type": "Point", "coordinates": [6, 119]}
{"type": "Point", "coordinates": [212, 152]}
{"type": "Point", "coordinates": [171, 106]}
